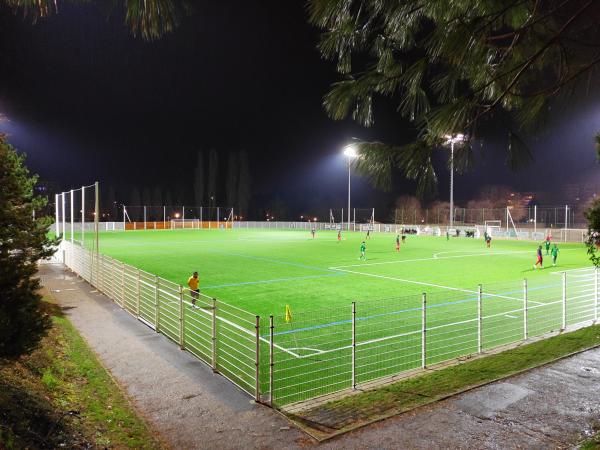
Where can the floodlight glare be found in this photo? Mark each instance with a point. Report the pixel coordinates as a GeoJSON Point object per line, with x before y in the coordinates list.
{"type": "Point", "coordinates": [350, 151]}
{"type": "Point", "coordinates": [452, 139]}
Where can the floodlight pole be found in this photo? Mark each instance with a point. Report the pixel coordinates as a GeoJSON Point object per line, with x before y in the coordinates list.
{"type": "Point", "coordinates": [348, 193]}
{"type": "Point", "coordinates": [451, 182]}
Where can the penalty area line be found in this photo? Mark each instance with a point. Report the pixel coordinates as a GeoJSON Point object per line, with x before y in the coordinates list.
{"type": "Point", "coordinates": [424, 283]}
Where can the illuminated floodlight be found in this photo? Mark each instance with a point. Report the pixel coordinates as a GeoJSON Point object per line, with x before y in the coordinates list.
{"type": "Point", "coordinates": [454, 138]}
{"type": "Point", "coordinates": [177, 215]}
{"type": "Point", "coordinates": [350, 151]}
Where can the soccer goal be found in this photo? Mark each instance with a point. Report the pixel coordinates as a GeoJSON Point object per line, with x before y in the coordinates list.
{"type": "Point", "coordinates": [179, 224]}
{"type": "Point", "coordinates": [492, 227]}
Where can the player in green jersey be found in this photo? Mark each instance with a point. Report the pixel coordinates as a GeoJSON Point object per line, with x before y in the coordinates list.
{"type": "Point", "coordinates": [363, 250]}
{"type": "Point", "coordinates": [547, 243]}
{"type": "Point", "coordinates": [554, 253]}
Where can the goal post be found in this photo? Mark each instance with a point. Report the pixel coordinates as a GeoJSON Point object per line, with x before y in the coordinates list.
{"type": "Point", "coordinates": [180, 224]}
{"type": "Point", "coordinates": [491, 227]}
{"type": "Point", "coordinates": [509, 220]}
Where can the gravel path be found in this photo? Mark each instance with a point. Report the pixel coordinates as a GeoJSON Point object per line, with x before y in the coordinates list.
{"type": "Point", "coordinates": [190, 407]}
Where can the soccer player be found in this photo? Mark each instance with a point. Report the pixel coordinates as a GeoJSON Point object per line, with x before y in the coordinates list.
{"type": "Point", "coordinates": [488, 240]}
{"type": "Point", "coordinates": [447, 234]}
{"type": "Point", "coordinates": [397, 242]}
{"type": "Point", "coordinates": [313, 233]}
{"type": "Point", "coordinates": [540, 258]}
{"type": "Point", "coordinates": [193, 283]}
{"type": "Point", "coordinates": [339, 235]}
{"type": "Point", "coordinates": [368, 234]}
{"type": "Point", "coordinates": [403, 239]}
{"type": "Point", "coordinates": [554, 254]}
{"type": "Point", "coordinates": [363, 250]}
{"type": "Point", "coordinates": [547, 242]}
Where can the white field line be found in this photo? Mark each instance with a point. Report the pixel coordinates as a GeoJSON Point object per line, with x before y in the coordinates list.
{"type": "Point", "coordinates": [423, 283]}
{"type": "Point", "coordinates": [437, 258]}
{"type": "Point", "coordinates": [315, 350]}
{"type": "Point", "coordinates": [239, 328]}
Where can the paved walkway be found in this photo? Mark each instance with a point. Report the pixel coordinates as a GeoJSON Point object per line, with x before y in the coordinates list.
{"type": "Point", "coordinates": [550, 407]}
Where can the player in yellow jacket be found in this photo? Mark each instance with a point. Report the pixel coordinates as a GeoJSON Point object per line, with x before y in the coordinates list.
{"type": "Point", "coordinates": [193, 284]}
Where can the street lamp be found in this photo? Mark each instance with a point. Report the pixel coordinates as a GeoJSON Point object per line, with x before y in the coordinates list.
{"type": "Point", "coordinates": [451, 139]}
{"type": "Point", "coordinates": [350, 153]}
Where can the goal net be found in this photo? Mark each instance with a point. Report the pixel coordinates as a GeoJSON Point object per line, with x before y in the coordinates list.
{"type": "Point", "coordinates": [177, 224]}
{"type": "Point", "coordinates": [492, 227]}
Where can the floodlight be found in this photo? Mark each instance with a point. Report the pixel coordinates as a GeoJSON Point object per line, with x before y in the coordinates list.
{"type": "Point", "coordinates": [350, 151]}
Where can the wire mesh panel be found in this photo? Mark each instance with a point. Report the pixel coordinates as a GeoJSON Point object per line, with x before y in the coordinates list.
{"type": "Point", "coordinates": [451, 324]}
{"type": "Point", "coordinates": [312, 353]}
{"type": "Point", "coordinates": [387, 337]}
{"type": "Point", "coordinates": [147, 297]}
{"type": "Point", "coordinates": [197, 322]}
{"type": "Point", "coordinates": [236, 345]}
{"type": "Point", "coordinates": [168, 309]}
{"type": "Point", "coordinates": [581, 290]}
{"type": "Point", "coordinates": [544, 300]}
{"type": "Point", "coordinates": [131, 297]}
{"type": "Point", "coordinates": [502, 310]}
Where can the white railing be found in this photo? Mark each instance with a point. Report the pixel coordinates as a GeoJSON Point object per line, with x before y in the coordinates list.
{"type": "Point", "coordinates": [223, 336]}
{"type": "Point", "coordinates": [335, 349]}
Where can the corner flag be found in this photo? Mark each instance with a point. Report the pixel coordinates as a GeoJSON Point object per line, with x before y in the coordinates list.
{"type": "Point", "coordinates": [288, 314]}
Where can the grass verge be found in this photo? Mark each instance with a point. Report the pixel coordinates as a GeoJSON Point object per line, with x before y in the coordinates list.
{"type": "Point", "coordinates": [591, 444]}
{"type": "Point", "coordinates": [340, 416]}
{"type": "Point", "coordinates": [61, 396]}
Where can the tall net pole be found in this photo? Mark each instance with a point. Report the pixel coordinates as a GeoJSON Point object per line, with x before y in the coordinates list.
{"type": "Point", "coordinates": [72, 216]}
{"type": "Point", "coordinates": [82, 215]}
{"type": "Point", "coordinates": [64, 220]}
{"type": "Point", "coordinates": [56, 222]}
{"type": "Point", "coordinates": [97, 215]}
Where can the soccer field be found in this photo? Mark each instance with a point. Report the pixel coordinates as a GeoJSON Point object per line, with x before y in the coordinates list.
{"type": "Point", "coordinates": [262, 271]}
{"type": "Point", "coordinates": [326, 346]}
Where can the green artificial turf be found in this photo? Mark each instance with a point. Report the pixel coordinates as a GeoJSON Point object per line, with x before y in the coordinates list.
{"type": "Point", "coordinates": [262, 271]}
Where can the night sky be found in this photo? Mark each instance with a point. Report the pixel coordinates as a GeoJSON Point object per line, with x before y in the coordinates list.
{"type": "Point", "coordinates": [87, 101]}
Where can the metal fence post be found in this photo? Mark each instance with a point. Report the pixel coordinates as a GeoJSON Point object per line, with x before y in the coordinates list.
{"type": "Point", "coordinates": [424, 332]}
{"type": "Point", "coordinates": [525, 309]}
{"type": "Point", "coordinates": [564, 301]}
{"type": "Point", "coordinates": [479, 319]}
{"type": "Point", "coordinates": [271, 361]}
{"type": "Point", "coordinates": [257, 361]}
{"type": "Point", "coordinates": [156, 304]}
{"type": "Point", "coordinates": [214, 335]}
{"type": "Point", "coordinates": [595, 295]}
{"type": "Point", "coordinates": [181, 319]}
{"type": "Point", "coordinates": [137, 294]}
{"type": "Point", "coordinates": [353, 345]}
